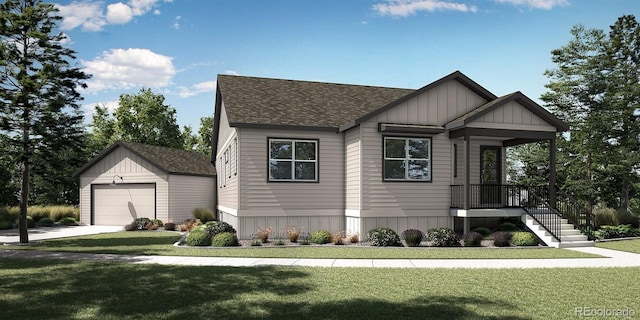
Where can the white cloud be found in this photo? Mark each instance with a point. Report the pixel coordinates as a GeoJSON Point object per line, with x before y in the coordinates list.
{"type": "Point", "coordinates": [198, 88]}
{"type": "Point", "coordinates": [87, 15]}
{"type": "Point", "coordinates": [404, 8]}
{"type": "Point", "coordinates": [129, 68]}
{"type": "Point", "coordinates": [176, 22]}
{"type": "Point", "coordinates": [537, 4]}
{"type": "Point", "coordinates": [90, 16]}
{"type": "Point", "coordinates": [119, 13]}
{"type": "Point", "coordinates": [231, 72]}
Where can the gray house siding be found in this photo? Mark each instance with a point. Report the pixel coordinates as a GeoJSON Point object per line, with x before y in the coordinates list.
{"type": "Point", "coordinates": [187, 193]}
{"type": "Point", "coordinates": [227, 169]}
{"type": "Point", "coordinates": [311, 205]}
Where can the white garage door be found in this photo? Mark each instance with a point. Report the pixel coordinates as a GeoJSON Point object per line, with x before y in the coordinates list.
{"type": "Point", "coordinates": [120, 204]}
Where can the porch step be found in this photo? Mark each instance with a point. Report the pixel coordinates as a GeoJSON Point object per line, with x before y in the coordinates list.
{"type": "Point", "coordinates": [569, 236]}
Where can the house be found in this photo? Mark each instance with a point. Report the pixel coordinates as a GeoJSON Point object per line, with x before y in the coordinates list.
{"type": "Point", "coordinates": [351, 158]}
{"type": "Point", "coordinates": [132, 180]}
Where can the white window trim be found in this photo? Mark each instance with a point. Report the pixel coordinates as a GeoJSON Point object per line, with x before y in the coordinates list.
{"type": "Point", "coordinates": [293, 160]}
{"type": "Point", "coordinates": [406, 159]}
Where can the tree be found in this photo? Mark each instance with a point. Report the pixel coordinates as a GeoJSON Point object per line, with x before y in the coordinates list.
{"type": "Point", "coordinates": [596, 89]}
{"type": "Point", "coordinates": [141, 117]}
{"type": "Point", "coordinates": [205, 135]}
{"type": "Point", "coordinates": [38, 87]}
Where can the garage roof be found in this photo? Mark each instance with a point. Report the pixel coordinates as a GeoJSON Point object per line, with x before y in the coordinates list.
{"type": "Point", "coordinates": [169, 160]}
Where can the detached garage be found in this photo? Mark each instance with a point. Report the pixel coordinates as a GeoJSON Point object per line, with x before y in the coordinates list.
{"type": "Point", "coordinates": [133, 180]}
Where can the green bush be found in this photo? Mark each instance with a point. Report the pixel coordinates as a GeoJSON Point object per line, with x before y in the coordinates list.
{"type": "Point", "coordinates": [224, 239]}
{"type": "Point", "coordinates": [501, 238]}
{"type": "Point", "coordinates": [472, 239]}
{"type": "Point", "coordinates": [613, 217]}
{"type": "Point", "coordinates": [170, 226]}
{"type": "Point", "coordinates": [45, 222]}
{"type": "Point", "coordinates": [482, 230]}
{"type": "Point", "coordinates": [158, 222]}
{"type": "Point", "coordinates": [30, 222]}
{"type": "Point", "coordinates": [443, 237]}
{"type": "Point", "coordinates": [141, 223]}
{"type": "Point", "coordinates": [383, 237]}
{"type": "Point", "coordinates": [412, 237]}
{"type": "Point", "coordinates": [216, 227]}
{"type": "Point", "coordinates": [68, 221]}
{"type": "Point", "coordinates": [320, 237]}
{"type": "Point", "coordinates": [130, 227]}
{"type": "Point", "coordinates": [508, 226]}
{"type": "Point", "coordinates": [613, 232]}
{"type": "Point", "coordinates": [5, 225]}
{"type": "Point", "coordinates": [5, 214]}
{"type": "Point", "coordinates": [204, 214]}
{"type": "Point", "coordinates": [198, 238]}
{"type": "Point", "coordinates": [524, 239]}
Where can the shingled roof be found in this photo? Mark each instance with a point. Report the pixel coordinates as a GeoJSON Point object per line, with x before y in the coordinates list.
{"type": "Point", "coordinates": [169, 160]}
{"type": "Point", "coordinates": [251, 101]}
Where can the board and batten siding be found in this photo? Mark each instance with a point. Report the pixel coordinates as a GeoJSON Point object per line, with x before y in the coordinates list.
{"type": "Point", "coordinates": [353, 174]}
{"type": "Point", "coordinates": [189, 192]}
{"type": "Point", "coordinates": [132, 169]}
{"type": "Point", "coordinates": [512, 116]}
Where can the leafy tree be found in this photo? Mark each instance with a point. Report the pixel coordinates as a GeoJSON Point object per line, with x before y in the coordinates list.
{"type": "Point", "coordinates": [39, 107]}
{"type": "Point", "coordinates": [205, 134]}
{"type": "Point", "coordinates": [190, 139]}
{"type": "Point", "coordinates": [142, 117]}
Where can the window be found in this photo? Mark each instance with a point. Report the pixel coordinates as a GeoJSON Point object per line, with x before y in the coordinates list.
{"type": "Point", "coordinates": [407, 159]}
{"type": "Point", "coordinates": [293, 160]}
{"type": "Point", "coordinates": [455, 160]}
{"type": "Point", "coordinates": [227, 163]}
{"type": "Point", "coordinates": [235, 149]}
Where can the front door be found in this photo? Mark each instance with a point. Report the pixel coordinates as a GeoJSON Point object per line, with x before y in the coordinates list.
{"type": "Point", "coordinates": [490, 175]}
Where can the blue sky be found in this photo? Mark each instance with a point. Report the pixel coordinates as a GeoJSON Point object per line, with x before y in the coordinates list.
{"type": "Point", "coordinates": [177, 47]}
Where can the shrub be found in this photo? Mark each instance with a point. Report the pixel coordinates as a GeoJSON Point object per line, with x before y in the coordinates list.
{"type": "Point", "coordinates": [472, 239]}
{"type": "Point", "coordinates": [45, 222]}
{"type": "Point", "coordinates": [152, 226]}
{"type": "Point", "coordinates": [621, 231]}
{"type": "Point", "coordinates": [303, 239]}
{"type": "Point", "coordinates": [131, 227]}
{"type": "Point", "coordinates": [320, 237]}
{"type": "Point", "coordinates": [508, 226]}
{"type": "Point", "coordinates": [412, 237]}
{"type": "Point", "coordinates": [224, 239]}
{"type": "Point", "coordinates": [158, 222]}
{"type": "Point", "coordinates": [443, 237]}
{"type": "Point", "coordinates": [216, 227]}
{"type": "Point", "coordinates": [189, 224]}
{"type": "Point", "coordinates": [482, 230]}
{"type": "Point", "coordinates": [141, 223]}
{"type": "Point", "coordinates": [612, 217]}
{"type": "Point", "coordinates": [293, 233]}
{"type": "Point", "coordinates": [501, 238]}
{"type": "Point", "coordinates": [203, 214]}
{"type": "Point", "coordinates": [5, 225]}
{"type": "Point", "coordinates": [278, 242]}
{"type": "Point", "coordinates": [30, 222]}
{"type": "Point", "coordinates": [68, 221]}
{"type": "Point", "coordinates": [170, 226]}
{"type": "Point", "coordinates": [198, 238]}
{"type": "Point", "coordinates": [263, 234]}
{"type": "Point", "coordinates": [336, 238]}
{"type": "Point", "coordinates": [383, 237]}
{"type": "Point", "coordinates": [524, 239]}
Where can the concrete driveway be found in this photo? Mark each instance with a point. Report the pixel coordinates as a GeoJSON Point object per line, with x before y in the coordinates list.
{"type": "Point", "coordinates": [44, 233]}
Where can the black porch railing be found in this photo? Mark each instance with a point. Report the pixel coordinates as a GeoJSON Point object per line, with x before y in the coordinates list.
{"type": "Point", "coordinates": [535, 200]}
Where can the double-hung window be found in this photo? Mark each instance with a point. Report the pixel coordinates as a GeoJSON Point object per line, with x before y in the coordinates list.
{"type": "Point", "coordinates": [293, 160]}
{"type": "Point", "coordinates": [407, 159]}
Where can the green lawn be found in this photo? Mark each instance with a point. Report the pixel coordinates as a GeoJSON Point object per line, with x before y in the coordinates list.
{"type": "Point", "coordinates": [160, 243]}
{"type": "Point", "coordinates": [59, 289]}
{"type": "Point", "coordinates": [622, 245]}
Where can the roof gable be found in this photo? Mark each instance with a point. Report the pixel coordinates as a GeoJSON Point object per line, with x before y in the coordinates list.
{"type": "Point", "coordinates": [169, 160]}
{"type": "Point", "coordinates": [493, 105]}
